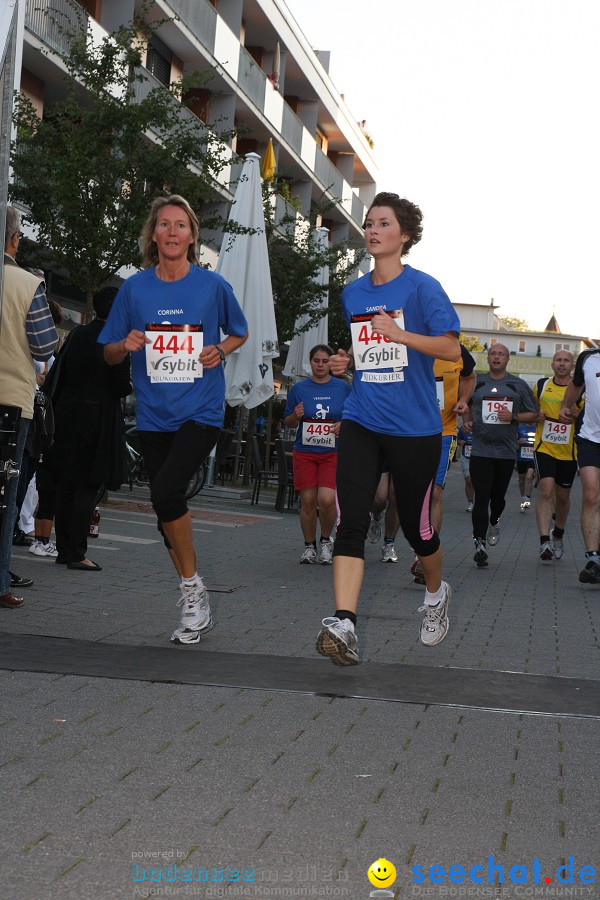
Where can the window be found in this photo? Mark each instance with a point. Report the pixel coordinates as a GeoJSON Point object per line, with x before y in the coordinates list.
{"type": "Point", "coordinates": [522, 346]}
{"type": "Point", "coordinates": [558, 347]}
{"type": "Point", "coordinates": [158, 62]}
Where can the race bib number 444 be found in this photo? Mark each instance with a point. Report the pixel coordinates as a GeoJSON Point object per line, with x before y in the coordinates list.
{"type": "Point", "coordinates": [173, 352]}
{"type": "Point", "coordinates": [373, 351]}
{"type": "Point", "coordinates": [491, 406]}
{"type": "Point", "coordinates": [317, 433]}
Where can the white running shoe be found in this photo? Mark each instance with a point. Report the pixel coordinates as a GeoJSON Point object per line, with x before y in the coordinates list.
{"type": "Point", "coordinates": [469, 508]}
{"type": "Point", "coordinates": [326, 552]}
{"type": "Point", "coordinates": [310, 556]}
{"type": "Point", "coordinates": [435, 624]}
{"type": "Point", "coordinates": [196, 618]}
{"type": "Point", "coordinates": [388, 554]}
{"type": "Point", "coordinates": [557, 546]}
{"type": "Point", "coordinates": [39, 548]}
{"type": "Point", "coordinates": [546, 551]}
{"type": "Point", "coordinates": [374, 532]}
{"type": "Point", "coordinates": [493, 535]}
{"type": "Point", "coordinates": [337, 640]}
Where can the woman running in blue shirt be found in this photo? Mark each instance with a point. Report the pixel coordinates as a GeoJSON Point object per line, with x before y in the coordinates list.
{"type": "Point", "coordinates": [400, 320]}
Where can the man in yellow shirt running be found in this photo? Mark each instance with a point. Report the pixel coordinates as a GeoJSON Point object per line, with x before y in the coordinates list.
{"type": "Point", "coordinates": [555, 456]}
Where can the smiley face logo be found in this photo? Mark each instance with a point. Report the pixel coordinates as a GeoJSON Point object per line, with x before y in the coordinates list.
{"type": "Point", "coordinates": [381, 873]}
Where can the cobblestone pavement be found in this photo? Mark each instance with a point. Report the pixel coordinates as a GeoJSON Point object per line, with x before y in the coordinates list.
{"type": "Point", "coordinates": [279, 793]}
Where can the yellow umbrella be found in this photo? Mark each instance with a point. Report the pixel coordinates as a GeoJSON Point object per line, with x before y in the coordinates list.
{"type": "Point", "coordinates": [268, 165]}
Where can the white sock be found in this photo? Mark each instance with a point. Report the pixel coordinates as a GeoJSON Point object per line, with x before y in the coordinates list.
{"type": "Point", "coordinates": [434, 599]}
{"type": "Point", "coordinates": [193, 579]}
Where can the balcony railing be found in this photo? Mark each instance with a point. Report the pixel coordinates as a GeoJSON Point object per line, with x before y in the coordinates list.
{"type": "Point", "coordinates": [252, 79]}
{"type": "Point", "coordinates": [200, 17]}
{"type": "Point", "coordinates": [291, 128]}
{"type": "Point", "coordinates": [55, 22]}
{"type": "Point", "coordinates": [328, 175]}
{"type": "Point", "coordinates": [359, 209]}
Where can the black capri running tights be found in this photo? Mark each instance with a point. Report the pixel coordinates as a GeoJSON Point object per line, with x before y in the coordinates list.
{"type": "Point", "coordinates": [171, 459]}
{"type": "Point", "coordinates": [413, 462]}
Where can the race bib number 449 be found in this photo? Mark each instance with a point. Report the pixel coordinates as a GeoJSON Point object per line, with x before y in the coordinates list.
{"type": "Point", "coordinates": [491, 406]}
{"type": "Point", "coordinates": [173, 351]}
{"type": "Point", "coordinates": [317, 433]}
{"type": "Point", "coordinates": [373, 351]}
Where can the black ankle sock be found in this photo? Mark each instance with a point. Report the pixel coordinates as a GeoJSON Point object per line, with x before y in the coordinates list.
{"type": "Point", "coordinates": [558, 532]}
{"type": "Point", "coordinates": [311, 544]}
{"type": "Point", "coordinates": [544, 538]}
{"type": "Point", "coordinates": [325, 540]}
{"type": "Point", "coordinates": [346, 614]}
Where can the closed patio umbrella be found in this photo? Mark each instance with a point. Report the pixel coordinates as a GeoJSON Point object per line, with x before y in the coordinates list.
{"type": "Point", "coordinates": [244, 263]}
{"type": "Point", "coordinates": [297, 364]}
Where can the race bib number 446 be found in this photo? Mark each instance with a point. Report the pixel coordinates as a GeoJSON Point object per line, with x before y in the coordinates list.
{"type": "Point", "coordinates": [373, 351]}
{"type": "Point", "coordinates": [173, 351]}
{"type": "Point", "coordinates": [318, 434]}
{"type": "Point", "coordinates": [491, 406]}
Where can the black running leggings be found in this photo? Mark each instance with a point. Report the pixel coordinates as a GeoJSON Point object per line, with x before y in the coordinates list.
{"type": "Point", "coordinates": [490, 478]}
{"type": "Point", "coordinates": [413, 463]}
{"type": "Point", "coordinates": [171, 459]}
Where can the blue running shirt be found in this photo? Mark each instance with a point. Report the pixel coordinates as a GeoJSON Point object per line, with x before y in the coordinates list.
{"type": "Point", "coordinates": [402, 407]}
{"type": "Point", "coordinates": [323, 402]}
{"type": "Point", "coordinates": [202, 297]}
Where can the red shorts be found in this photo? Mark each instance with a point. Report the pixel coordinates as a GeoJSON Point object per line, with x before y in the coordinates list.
{"type": "Point", "coordinates": [314, 469]}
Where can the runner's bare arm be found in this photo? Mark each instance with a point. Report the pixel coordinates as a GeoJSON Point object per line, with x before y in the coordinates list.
{"type": "Point", "coordinates": [117, 351]}
{"type": "Point", "coordinates": [210, 356]}
{"type": "Point", "coordinates": [445, 346]}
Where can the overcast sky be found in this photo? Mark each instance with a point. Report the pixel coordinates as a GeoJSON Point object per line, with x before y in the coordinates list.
{"type": "Point", "coordinates": [485, 114]}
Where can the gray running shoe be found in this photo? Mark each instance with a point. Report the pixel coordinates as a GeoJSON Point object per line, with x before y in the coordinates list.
{"type": "Point", "coordinates": [374, 532]}
{"type": "Point", "coordinates": [546, 551]}
{"type": "Point", "coordinates": [310, 556]}
{"type": "Point", "coordinates": [337, 640]}
{"type": "Point", "coordinates": [591, 573]}
{"type": "Point", "coordinates": [196, 618]}
{"type": "Point", "coordinates": [435, 624]}
{"type": "Point", "coordinates": [326, 552]}
{"type": "Point", "coordinates": [557, 546]}
{"type": "Point", "coordinates": [388, 554]}
{"type": "Point", "coordinates": [480, 555]}
{"type": "Point", "coordinates": [493, 535]}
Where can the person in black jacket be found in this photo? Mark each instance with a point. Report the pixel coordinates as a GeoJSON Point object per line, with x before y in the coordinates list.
{"type": "Point", "coordinates": [89, 439]}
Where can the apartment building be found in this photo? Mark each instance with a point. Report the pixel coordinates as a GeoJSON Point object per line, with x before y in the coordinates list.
{"type": "Point", "coordinates": [265, 80]}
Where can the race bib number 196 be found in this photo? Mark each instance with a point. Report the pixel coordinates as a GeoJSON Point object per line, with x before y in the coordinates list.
{"type": "Point", "coordinates": [373, 351]}
{"type": "Point", "coordinates": [491, 406]}
{"type": "Point", "coordinates": [173, 351]}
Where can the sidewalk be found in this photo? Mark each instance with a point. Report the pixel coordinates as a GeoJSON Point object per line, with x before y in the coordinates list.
{"type": "Point", "coordinates": [248, 753]}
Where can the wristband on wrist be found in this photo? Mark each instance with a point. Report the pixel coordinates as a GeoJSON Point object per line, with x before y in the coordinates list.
{"type": "Point", "coordinates": [221, 353]}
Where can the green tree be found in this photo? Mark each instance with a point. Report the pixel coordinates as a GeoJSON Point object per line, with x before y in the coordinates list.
{"type": "Point", "coordinates": [88, 170]}
{"type": "Point", "coordinates": [296, 259]}
{"type": "Point", "coordinates": [515, 323]}
{"type": "Point", "coordinates": [471, 342]}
